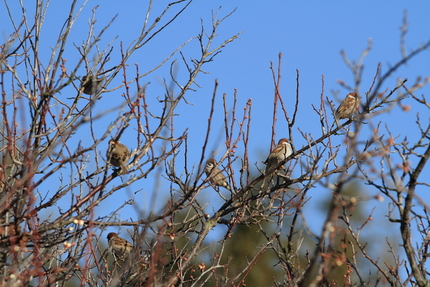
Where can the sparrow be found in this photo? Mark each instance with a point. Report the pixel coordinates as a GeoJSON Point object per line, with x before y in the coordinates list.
{"type": "Point", "coordinates": [280, 153]}
{"type": "Point", "coordinates": [117, 245]}
{"type": "Point", "coordinates": [118, 155]}
{"type": "Point", "coordinates": [90, 84]}
{"type": "Point", "coordinates": [215, 175]}
{"type": "Point", "coordinates": [348, 107]}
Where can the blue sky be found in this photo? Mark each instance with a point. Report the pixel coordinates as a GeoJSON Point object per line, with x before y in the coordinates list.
{"type": "Point", "coordinates": [309, 34]}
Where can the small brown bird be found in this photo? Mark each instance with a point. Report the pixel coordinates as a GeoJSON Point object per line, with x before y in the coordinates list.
{"type": "Point", "coordinates": [215, 175]}
{"type": "Point", "coordinates": [280, 153]}
{"type": "Point", "coordinates": [118, 155]}
{"type": "Point", "coordinates": [90, 84]}
{"type": "Point", "coordinates": [348, 107]}
{"type": "Point", "coordinates": [117, 245]}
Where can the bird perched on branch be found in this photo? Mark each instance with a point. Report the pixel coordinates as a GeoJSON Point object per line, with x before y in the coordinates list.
{"type": "Point", "coordinates": [90, 84]}
{"type": "Point", "coordinates": [348, 107]}
{"type": "Point", "coordinates": [118, 155]}
{"type": "Point", "coordinates": [118, 246]}
{"type": "Point", "coordinates": [280, 153]}
{"type": "Point", "coordinates": [215, 175]}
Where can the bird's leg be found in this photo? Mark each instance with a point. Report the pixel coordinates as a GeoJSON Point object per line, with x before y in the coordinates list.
{"type": "Point", "coordinates": [219, 193]}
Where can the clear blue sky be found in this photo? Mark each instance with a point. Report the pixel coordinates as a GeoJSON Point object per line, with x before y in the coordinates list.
{"type": "Point", "coordinates": [310, 35]}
